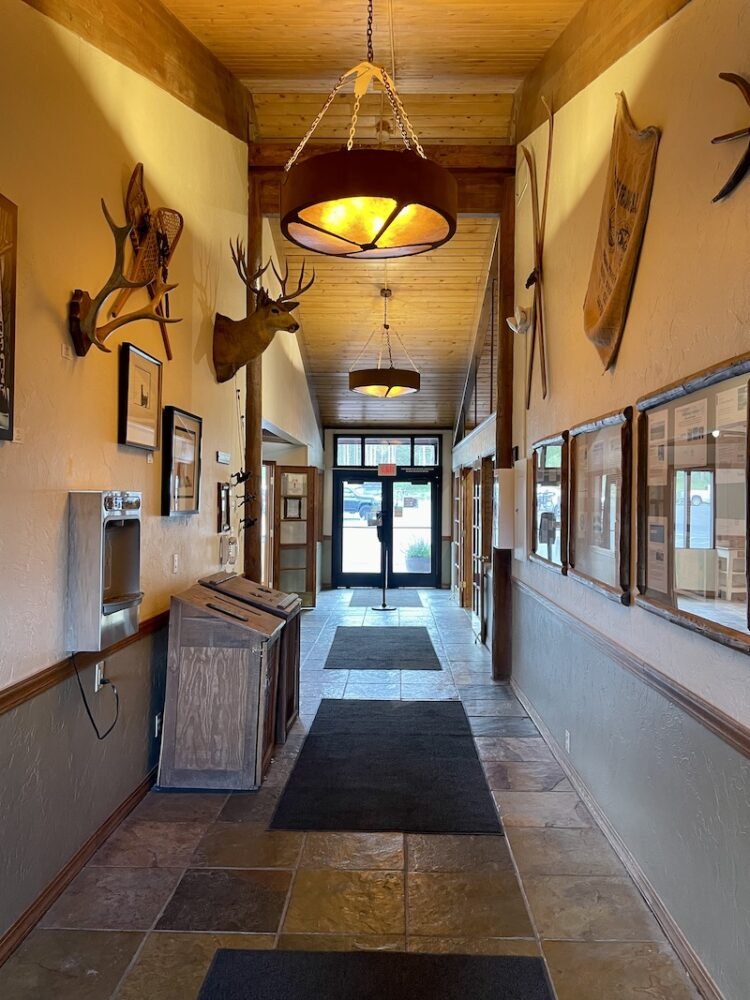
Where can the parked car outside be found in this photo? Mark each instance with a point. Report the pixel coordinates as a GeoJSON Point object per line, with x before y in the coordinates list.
{"type": "Point", "coordinates": [356, 502]}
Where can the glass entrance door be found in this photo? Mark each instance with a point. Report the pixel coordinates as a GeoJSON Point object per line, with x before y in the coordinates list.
{"type": "Point", "coordinates": [408, 509]}
{"type": "Point", "coordinates": [413, 545]}
{"type": "Point", "coordinates": [359, 504]}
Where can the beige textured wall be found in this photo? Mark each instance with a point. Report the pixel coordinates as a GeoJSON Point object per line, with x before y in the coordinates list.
{"type": "Point", "coordinates": [74, 123]}
{"type": "Point", "coordinates": [691, 304]}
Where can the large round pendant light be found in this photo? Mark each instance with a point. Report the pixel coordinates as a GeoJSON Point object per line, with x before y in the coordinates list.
{"type": "Point", "coordinates": [368, 202]}
{"type": "Point", "coordinates": [385, 382]}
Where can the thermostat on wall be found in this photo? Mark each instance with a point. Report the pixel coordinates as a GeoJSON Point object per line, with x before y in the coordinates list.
{"type": "Point", "coordinates": [223, 457]}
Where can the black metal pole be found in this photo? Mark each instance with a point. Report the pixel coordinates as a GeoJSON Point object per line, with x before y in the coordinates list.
{"type": "Point", "coordinates": [383, 535]}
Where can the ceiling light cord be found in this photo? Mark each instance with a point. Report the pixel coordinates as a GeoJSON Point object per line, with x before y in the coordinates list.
{"type": "Point", "coordinates": [370, 52]}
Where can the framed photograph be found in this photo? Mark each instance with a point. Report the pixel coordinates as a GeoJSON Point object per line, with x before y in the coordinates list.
{"type": "Point", "coordinates": [8, 258]}
{"type": "Point", "coordinates": [292, 508]}
{"type": "Point", "coordinates": [181, 466]}
{"type": "Point", "coordinates": [224, 495]}
{"type": "Point", "coordinates": [139, 403]}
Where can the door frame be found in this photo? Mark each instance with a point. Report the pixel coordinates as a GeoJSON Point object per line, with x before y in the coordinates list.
{"type": "Point", "coordinates": [414, 475]}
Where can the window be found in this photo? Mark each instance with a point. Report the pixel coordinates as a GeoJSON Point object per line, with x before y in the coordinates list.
{"type": "Point", "coordinates": [692, 558]}
{"type": "Point", "coordinates": [600, 464]}
{"type": "Point", "coordinates": [384, 451]}
{"type": "Point", "coordinates": [369, 452]}
{"type": "Point", "coordinates": [426, 451]}
{"type": "Point", "coordinates": [550, 501]}
{"type": "Point", "coordinates": [349, 451]}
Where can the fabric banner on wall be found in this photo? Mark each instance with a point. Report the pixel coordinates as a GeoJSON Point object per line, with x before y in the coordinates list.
{"type": "Point", "coordinates": [630, 180]}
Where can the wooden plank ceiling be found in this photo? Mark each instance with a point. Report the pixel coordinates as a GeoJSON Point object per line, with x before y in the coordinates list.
{"type": "Point", "coordinates": [458, 64]}
{"type": "Point", "coordinates": [435, 308]}
{"type": "Point", "coordinates": [469, 56]}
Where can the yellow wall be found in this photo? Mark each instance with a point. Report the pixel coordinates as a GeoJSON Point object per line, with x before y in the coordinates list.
{"type": "Point", "coordinates": [74, 123]}
{"type": "Point", "coordinates": [691, 304]}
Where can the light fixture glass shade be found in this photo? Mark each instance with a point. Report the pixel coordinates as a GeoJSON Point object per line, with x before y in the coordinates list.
{"type": "Point", "coordinates": [368, 203]}
{"type": "Point", "coordinates": [384, 383]}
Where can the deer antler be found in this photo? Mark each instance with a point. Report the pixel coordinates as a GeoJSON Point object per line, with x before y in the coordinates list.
{"type": "Point", "coordinates": [299, 290]}
{"type": "Point", "coordinates": [240, 262]}
{"type": "Point", "coordinates": [84, 309]}
{"type": "Point", "coordinates": [149, 312]}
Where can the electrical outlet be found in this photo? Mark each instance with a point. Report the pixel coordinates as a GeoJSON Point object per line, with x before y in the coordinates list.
{"type": "Point", "coordinates": [567, 741]}
{"type": "Point", "coordinates": [175, 563]}
{"type": "Point", "coordinates": [17, 435]}
{"type": "Point", "coordinates": [67, 353]}
{"type": "Point", "coordinates": [157, 725]}
{"type": "Point", "coordinates": [149, 458]}
{"type": "Point", "coordinates": [99, 676]}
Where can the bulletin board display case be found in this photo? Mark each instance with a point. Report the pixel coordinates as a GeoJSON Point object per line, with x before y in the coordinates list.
{"type": "Point", "coordinates": [296, 528]}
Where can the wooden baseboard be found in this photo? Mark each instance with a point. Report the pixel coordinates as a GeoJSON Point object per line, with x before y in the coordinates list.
{"type": "Point", "coordinates": [687, 955]}
{"type": "Point", "coordinates": [31, 917]}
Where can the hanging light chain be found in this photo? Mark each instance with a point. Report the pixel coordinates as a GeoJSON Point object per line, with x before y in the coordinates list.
{"type": "Point", "coordinates": [353, 126]}
{"type": "Point", "coordinates": [316, 121]}
{"type": "Point", "coordinates": [370, 53]}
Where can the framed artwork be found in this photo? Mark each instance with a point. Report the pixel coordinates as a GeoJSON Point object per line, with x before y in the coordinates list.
{"type": "Point", "coordinates": [181, 466]}
{"type": "Point", "coordinates": [292, 508]}
{"type": "Point", "coordinates": [549, 502]}
{"type": "Point", "coordinates": [139, 403]}
{"type": "Point", "coordinates": [8, 259]}
{"type": "Point", "coordinates": [224, 494]}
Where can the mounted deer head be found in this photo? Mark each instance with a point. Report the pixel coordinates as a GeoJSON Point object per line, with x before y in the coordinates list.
{"type": "Point", "coordinates": [84, 309]}
{"type": "Point", "coordinates": [238, 341]}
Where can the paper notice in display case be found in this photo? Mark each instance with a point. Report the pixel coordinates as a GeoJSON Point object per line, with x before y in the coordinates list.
{"type": "Point", "coordinates": [656, 567]}
{"type": "Point", "coordinates": [690, 435]}
{"type": "Point", "coordinates": [731, 436]}
{"type": "Point", "coordinates": [658, 422]}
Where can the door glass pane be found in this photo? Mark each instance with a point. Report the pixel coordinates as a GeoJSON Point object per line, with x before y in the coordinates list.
{"type": "Point", "coordinates": [360, 548]}
{"type": "Point", "coordinates": [412, 527]}
{"type": "Point", "coordinates": [384, 451]}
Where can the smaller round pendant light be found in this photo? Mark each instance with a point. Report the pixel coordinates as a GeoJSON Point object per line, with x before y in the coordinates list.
{"type": "Point", "coordinates": [390, 382]}
{"type": "Point", "coordinates": [368, 203]}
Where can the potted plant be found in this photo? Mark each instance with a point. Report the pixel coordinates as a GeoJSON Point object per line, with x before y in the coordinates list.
{"type": "Point", "coordinates": [418, 557]}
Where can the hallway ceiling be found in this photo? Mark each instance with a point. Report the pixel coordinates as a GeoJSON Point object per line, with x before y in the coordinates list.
{"type": "Point", "coordinates": [435, 307]}
{"type": "Point", "coordinates": [458, 64]}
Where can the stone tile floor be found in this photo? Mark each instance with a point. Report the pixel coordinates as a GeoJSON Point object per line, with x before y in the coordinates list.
{"type": "Point", "coordinates": [187, 874]}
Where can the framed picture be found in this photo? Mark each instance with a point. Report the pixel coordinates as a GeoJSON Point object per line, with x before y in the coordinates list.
{"type": "Point", "coordinates": [292, 508]}
{"type": "Point", "coordinates": [181, 466]}
{"type": "Point", "coordinates": [224, 494]}
{"type": "Point", "coordinates": [139, 403]}
{"type": "Point", "coordinates": [8, 257]}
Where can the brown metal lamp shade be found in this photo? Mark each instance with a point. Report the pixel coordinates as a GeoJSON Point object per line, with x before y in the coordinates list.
{"type": "Point", "coordinates": [384, 383]}
{"type": "Point", "coordinates": [368, 203]}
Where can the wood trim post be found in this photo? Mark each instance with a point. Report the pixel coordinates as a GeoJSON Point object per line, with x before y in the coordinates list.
{"type": "Point", "coordinates": [253, 399]}
{"type": "Point", "coordinates": [502, 559]}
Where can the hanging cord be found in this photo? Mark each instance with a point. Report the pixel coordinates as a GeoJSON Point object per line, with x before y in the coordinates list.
{"type": "Point", "coordinates": [105, 734]}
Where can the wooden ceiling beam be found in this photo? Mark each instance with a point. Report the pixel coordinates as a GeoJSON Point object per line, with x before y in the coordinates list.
{"type": "Point", "coordinates": [148, 38]}
{"type": "Point", "coordinates": [500, 157]}
{"type": "Point", "coordinates": [601, 33]}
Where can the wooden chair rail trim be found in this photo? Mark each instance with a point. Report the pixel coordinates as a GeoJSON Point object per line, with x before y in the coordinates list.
{"type": "Point", "coordinates": [34, 913]}
{"type": "Point", "coordinates": [718, 722]}
{"type": "Point", "coordinates": [685, 951]}
{"type": "Point", "coordinates": [28, 688]}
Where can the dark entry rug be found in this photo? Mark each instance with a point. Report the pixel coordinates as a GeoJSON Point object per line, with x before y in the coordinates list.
{"type": "Point", "coordinates": [370, 975]}
{"type": "Point", "coordinates": [398, 766]}
{"type": "Point", "coordinates": [396, 598]}
{"type": "Point", "coordinates": [400, 647]}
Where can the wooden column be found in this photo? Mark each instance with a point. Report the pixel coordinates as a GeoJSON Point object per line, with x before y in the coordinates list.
{"type": "Point", "coordinates": [253, 396]}
{"type": "Point", "coordinates": [502, 559]}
